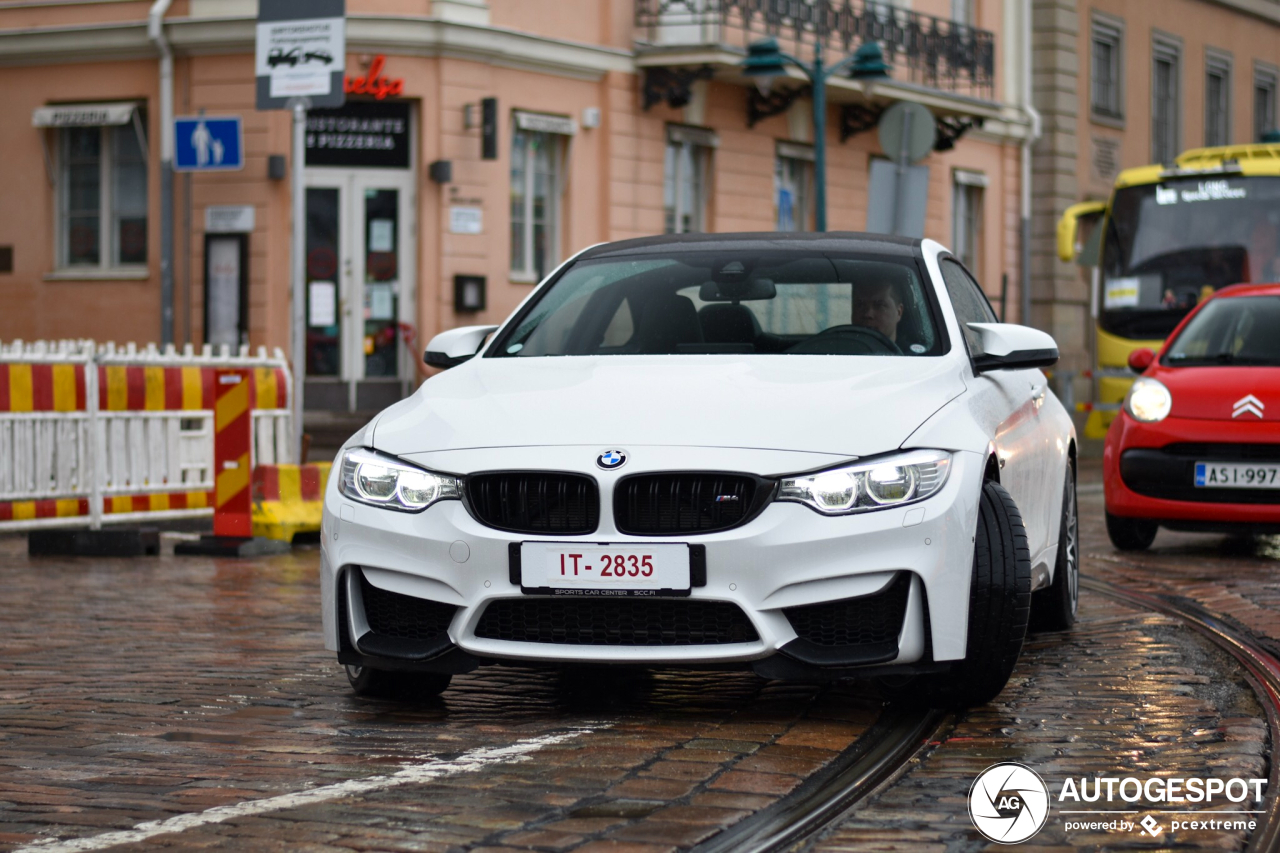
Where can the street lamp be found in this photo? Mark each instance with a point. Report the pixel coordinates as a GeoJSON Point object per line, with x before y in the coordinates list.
{"type": "Point", "coordinates": [766, 62]}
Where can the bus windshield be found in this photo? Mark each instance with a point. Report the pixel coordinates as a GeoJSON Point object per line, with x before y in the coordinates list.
{"type": "Point", "coordinates": [1169, 245]}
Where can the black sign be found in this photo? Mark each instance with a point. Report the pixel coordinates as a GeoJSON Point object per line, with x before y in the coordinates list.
{"type": "Point", "coordinates": [362, 133]}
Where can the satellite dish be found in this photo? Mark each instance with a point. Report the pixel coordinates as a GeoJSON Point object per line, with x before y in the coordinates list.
{"type": "Point", "coordinates": [910, 127]}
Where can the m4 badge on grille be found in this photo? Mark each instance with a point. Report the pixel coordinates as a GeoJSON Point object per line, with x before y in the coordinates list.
{"type": "Point", "coordinates": [1247, 405]}
{"type": "Point", "coordinates": [723, 498]}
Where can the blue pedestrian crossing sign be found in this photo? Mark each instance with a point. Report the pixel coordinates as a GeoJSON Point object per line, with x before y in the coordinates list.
{"type": "Point", "coordinates": [207, 144]}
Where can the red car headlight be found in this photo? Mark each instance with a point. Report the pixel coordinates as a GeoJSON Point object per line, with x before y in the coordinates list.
{"type": "Point", "coordinates": [1148, 400]}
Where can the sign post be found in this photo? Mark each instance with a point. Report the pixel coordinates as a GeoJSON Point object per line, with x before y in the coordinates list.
{"type": "Point", "coordinates": [300, 61]}
{"type": "Point", "coordinates": [907, 132]}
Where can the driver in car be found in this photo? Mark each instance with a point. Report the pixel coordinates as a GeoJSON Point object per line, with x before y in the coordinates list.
{"type": "Point", "coordinates": [877, 305]}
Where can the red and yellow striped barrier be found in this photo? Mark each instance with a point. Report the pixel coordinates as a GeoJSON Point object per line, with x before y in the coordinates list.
{"type": "Point", "coordinates": [127, 388]}
{"type": "Point", "coordinates": [28, 387]}
{"type": "Point", "coordinates": [128, 405]}
{"type": "Point", "coordinates": [232, 436]}
{"type": "Point", "coordinates": [32, 510]}
{"type": "Point", "coordinates": [113, 505]}
{"type": "Point", "coordinates": [42, 387]}
{"type": "Point", "coordinates": [287, 499]}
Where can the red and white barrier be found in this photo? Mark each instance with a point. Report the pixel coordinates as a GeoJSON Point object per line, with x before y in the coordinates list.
{"type": "Point", "coordinates": [93, 434]}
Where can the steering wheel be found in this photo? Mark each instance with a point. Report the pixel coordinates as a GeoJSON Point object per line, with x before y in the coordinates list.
{"type": "Point", "coordinates": [864, 341]}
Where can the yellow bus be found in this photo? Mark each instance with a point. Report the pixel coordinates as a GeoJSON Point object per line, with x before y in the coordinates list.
{"type": "Point", "coordinates": [1167, 238]}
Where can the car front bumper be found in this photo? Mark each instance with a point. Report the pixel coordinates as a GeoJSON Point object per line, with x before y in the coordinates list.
{"type": "Point", "coordinates": [787, 557]}
{"type": "Point", "coordinates": [1148, 472]}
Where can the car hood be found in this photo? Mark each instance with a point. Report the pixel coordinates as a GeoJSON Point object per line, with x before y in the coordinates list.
{"type": "Point", "coordinates": [844, 405]}
{"type": "Point", "coordinates": [1219, 393]}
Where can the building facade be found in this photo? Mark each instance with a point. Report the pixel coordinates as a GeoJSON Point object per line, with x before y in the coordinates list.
{"type": "Point", "coordinates": [1124, 83]}
{"type": "Point", "coordinates": [482, 143]}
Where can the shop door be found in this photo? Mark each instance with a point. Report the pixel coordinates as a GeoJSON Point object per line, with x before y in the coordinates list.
{"type": "Point", "coordinates": [360, 286]}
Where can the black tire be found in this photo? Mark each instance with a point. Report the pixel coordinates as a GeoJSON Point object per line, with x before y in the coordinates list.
{"type": "Point", "coordinates": [999, 608]}
{"type": "Point", "coordinates": [1131, 534]}
{"type": "Point", "coordinates": [1054, 607]}
{"type": "Point", "coordinates": [381, 684]}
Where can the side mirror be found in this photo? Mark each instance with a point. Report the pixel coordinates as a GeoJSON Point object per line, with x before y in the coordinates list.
{"type": "Point", "coordinates": [1006, 346]}
{"type": "Point", "coordinates": [451, 348]}
{"type": "Point", "coordinates": [1140, 359]}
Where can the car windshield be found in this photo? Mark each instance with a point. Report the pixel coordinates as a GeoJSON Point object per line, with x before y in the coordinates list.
{"type": "Point", "coordinates": [1238, 331]}
{"type": "Point", "coordinates": [726, 302]}
{"type": "Point", "coordinates": [1169, 245]}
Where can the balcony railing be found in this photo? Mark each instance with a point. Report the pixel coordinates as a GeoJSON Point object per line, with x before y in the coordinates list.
{"type": "Point", "coordinates": [922, 49]}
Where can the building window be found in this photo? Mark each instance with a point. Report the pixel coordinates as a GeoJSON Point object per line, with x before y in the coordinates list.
{"type": "Point", "coordinates": [1217, 99]}
{"type": "Point", "coordinates": [684, 180]}
{"type": "Point", "coordinates": [1165, 97]}
{"type": "Point", "coordinates": [1106, 63]}
{"type": "Point", "coordinates": [535, 203]}
{"type": "Point", "coordinates": [962, 12]}
{"type": "Point", "coordinates": [966, 218]}
{"type": "Point", "coordinates": [793, 187]}
{"type": "Point", "coordinates": [102, 198]}
{"type": "Point", "coordinates": [1264, 102]}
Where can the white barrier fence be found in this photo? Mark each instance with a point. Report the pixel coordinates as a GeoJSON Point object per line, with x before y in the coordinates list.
{"type": "Point", "coordinates": [93, 434]}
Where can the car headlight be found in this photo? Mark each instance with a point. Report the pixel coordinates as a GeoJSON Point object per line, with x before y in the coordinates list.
{"type": "Point", "coordinates": [875, 484]}
{"type": "Point", "coordinates": [381, 480]}
{"type": "Point", "coordinates": [1148, 400]}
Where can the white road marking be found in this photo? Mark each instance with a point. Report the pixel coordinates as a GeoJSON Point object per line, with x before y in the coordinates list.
{"type": "Point", "coordinates": [409, 774]}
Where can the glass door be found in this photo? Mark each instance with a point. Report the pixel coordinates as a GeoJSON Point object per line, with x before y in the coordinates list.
{"type": "Point", "coordinates": [360, 284]}
{"type": "Point", "coordinates": [380, 269]}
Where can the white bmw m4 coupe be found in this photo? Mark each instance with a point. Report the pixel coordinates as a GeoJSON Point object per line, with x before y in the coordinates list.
{"type": "Point", "coordinates": [811, 455]}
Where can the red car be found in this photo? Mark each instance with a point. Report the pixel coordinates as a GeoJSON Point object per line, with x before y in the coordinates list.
{"type": "Point", "coordinates": [1197, 446]}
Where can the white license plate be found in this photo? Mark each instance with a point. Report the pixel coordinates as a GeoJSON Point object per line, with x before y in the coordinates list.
{"type": "Point", "coordinates": [1236, 475]}
{"type": "Point", "coordinates": [571, 568]}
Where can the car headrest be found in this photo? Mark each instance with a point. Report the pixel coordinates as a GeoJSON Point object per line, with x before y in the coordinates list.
{"type": "Point", "coordinates": [667, 321]}
{"type": "Point", "coordinates": [728, 324]}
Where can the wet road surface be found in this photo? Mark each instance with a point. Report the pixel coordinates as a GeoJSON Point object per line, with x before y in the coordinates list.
{"type": "Point", "coordinates": [189, 703]}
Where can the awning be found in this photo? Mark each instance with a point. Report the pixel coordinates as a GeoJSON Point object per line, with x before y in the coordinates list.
{"type": "Point", "coordinates": [87, 115]}
{"type": "Point", "coordinates": [544, 123]}
{"type": "Point", "coordinates": [692, 135]}
{"type": "Point", "coordinates": [84, 115]}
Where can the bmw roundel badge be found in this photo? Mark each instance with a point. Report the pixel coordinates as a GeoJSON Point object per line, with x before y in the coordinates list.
{"type": "Point", "coordinates": [611, 459]}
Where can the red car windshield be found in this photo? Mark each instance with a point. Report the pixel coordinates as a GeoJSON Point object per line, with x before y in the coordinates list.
{"type": "Point", "coordinates": [1237, 331]}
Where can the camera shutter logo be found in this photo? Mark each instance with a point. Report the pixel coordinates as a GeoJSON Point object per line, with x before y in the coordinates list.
{"type": "Point", "coordinates": [1008, 803]}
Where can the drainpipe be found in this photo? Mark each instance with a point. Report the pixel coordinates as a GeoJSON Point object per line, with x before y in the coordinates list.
{"type": "Point", "coordinates": [1033, 115]}
{"type": "Point", "coordinates": [155, 31]}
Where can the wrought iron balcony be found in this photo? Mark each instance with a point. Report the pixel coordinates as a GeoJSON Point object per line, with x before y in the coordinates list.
{"type": "Point", "coordinates": [922, 49]}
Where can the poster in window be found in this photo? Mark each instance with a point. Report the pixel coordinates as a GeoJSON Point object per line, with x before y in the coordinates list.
{"type": "Point", "coordinates": [381, 235]}
{"type": "Point", "coordinates": [322, 307]}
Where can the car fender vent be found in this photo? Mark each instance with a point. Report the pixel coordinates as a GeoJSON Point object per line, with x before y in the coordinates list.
{"type": "Point", "coordinates": [868, 620]}
{"type": "Point", "coordinates": [405, 617]}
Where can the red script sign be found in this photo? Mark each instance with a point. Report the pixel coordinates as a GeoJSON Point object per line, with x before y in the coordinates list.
{"type": "Point", "coordinates": [374, 83]}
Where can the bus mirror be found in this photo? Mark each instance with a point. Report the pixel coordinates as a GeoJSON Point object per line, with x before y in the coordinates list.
{"type": "Point", "coordinates": [1069, 226]}
{"type": "Point", "coordinates": [1140, 359]}
{"type": "Point", "coordinates": [1091, 254]}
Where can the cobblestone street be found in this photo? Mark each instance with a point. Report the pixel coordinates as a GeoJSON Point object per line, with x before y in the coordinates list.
{"type": "Point", "coordinates": [141, 691]}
